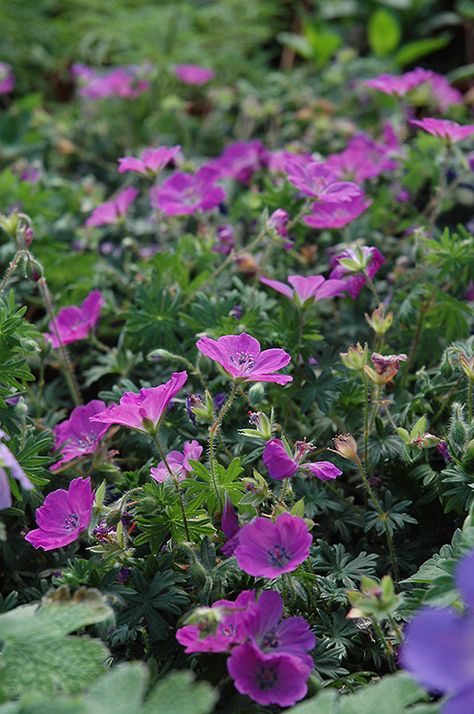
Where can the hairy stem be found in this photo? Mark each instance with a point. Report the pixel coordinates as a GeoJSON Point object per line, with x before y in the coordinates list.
{"type": "Point", "coordinates": [213, 431]}
{"type": "Point", "coordinates": [175, 484]}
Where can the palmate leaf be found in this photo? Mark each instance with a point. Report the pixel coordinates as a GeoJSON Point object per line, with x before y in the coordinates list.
{"type": "Point", "coordinates": [123, 690]}
{"type": "Point", "coordinates": [153, 319]}
{"type": "Point", "coordinates": [321, 390]}
{"type": "Point", "coordinates": [38, 656]}
{"type": "Point", "coordinates": [337, 564]}
{"type": "Point", "coordinates": [214, 492]}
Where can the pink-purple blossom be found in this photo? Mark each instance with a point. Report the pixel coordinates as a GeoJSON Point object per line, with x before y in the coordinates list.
{"type": "Point", "coordinates": [399, 85]}
{"type": "Point", "coordinates": [354, 265]}
{"type": "Point", "coordinates": [230, 528]}
{"type": "Point", "coordinates": [268, 549]}
{"type": "Point", "coordinates": [315, 179]}
{"type": "Point", "coordinates": [113, 211]}
{"type": "Point", "coordinates": [63, 516]}
{"type": "Point", "coordinates": [183, 194]}
{"type": "Point", "coordinates": [242, 358]}
{"type": "Point", "coordinates": [364, 158]}
{"type": "Point", "coordinates": [76, 323]}
{"type": "Point", "coordinates": [225, 242]}
{"type": "Point", "coordinates": [281, 464]}
{"type": "Point", "coordinates": [444, 94]}
{"type": "Point", "coordinates": [7, 78]}
{"type": "Point", "coordinates": [78, 436]}
{"type": "Point", "coordinates": [126, 82]}
{"type": "Point", "coordinates": [278, 221]}
{"type": "Point", "coordinates": [178, 462]}
{"type": "Point", "coordinates": [151, 161]}
{"type": "Point", "coordinates": [336, 215]}
{"type": "Point", "coordinates": [194, 74]}
{"type": "Point", "coordinates": [8, 461]}
{"type": "Point", "coordinates": [240, 160]}
{"type": "Point", "coordinates": [143, 411]}
{"type": "Point", "coordinates": [312, 287]}
{"type": "Point", "coordinates": [449, 131]}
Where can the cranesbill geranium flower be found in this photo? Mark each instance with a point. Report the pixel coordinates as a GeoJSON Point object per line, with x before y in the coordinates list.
{"type": "Point", "coordinates": [183, 194]}
{"type": "Point", "coordinates": [230, 528]}
{"type": "Point", "coordinates": [312, 287]}
{"type": "Point", "coordinates": [242, 358]}
{"type": "Point", "coordinates": [63, 516]}
{"type": "Point", "coordinates": [113, 211]}
{"type": "Point", "coordinates": [450, 131]}
{"type": "Point", "coordinates": [280, 464]}
{"type": "Point", "coordinates": [269, 678]}
{"type": "Point", "coordinates": [8, 461]}
{"type": "Point", "coordinates": [151, 161]}
{"type": "Point", "coordinates": [364, 158]}
{"type": "Point", "coordinates": [336, 215]}
{"type": "Point", "coordinates": [221, 632]}
{"type": "Point", "coordinates": [399, 85]}
{"type": "Point", "coordinates": [193, 74]}
{"type": "Point", "coordinates": [144, 410]}
{"type": "Point", "coordinates": [7, 78]}
{"type": "Point", "coordinates": [354, 265]}
{"type": "Point", "coordinates": [78, 436]}
{"type": "Point", "coordinates": [126, 82]}
{"type": "Point", "coordinates": [315, 179]}
{"type": "Point", "coordinates": [75, 323]}
{"type": "Point", "coordinates": [438, 647]}
{"type": "Point", "coordinates": [240, 160]}
{"type": "Point", "coordinates": [444, 94]}
{"type": "Point", "coordinates": [268, 549]}
{"type": "Point", "coordinates": [178, 462]}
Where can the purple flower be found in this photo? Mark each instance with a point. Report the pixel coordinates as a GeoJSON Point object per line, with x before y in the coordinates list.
{"type": "Point", "coordinates": [126, 82]}
{"type": "Point", "coordinates": [363, 159]}
{"type": "Point", "coordinates": [183, 194]}
{"type": "Point", "coordinates": [230, 528]}
{"type": "Point", "coordinates": [277, 460]}
{"type": "Point", "coordinates": [279, 222]}
{"type": "Point", "coordinates": [269, 679]}
{"type": "Point", "coordinates": [63, 516]}
{"type": "Point", "coordinates": [178, 462]}
{"type": "Point", "coordinates": [207, 637]}
{"type": "Point", "coordinates": [399, 85]}
{"type": "Point", "coordinates": [352, 264]}
{"type": "Point", "coordinates": [143, 411]}
{"type": "Point", "coordinates": [242, 358]}
{"type": "Point", "coordinates": [77, 436]}
{"type": "Point", "coordinates": [313, 287]}
{"type": "Point", "coordinates": [193, 74]}
{"type": "Point", "coordinates": [266, 630]}
{"type": "Point", "coordinates": [240, 160]}
{"type": "Point", "coordinates": [268, 549]}
{"type": "Point", "coordinates": [75, 323]}
{"type": "Point", "coordinates": [336, 215]}
{"type": "Point", "coordinates": [123, 575]}
{"type": "Point", "coordinates": [315, 179]}
{"type": "Point", "coordinates": [7, 460]}
{"type": "Point", "coordinates": [225, 240]}
{"type": "Point", "coordinates": [438, 647]}
{"type": "Point", "coordinates": [443, 92]}
{"type": "Point", "coordinates": [323, 470]}
{"type": "Point", "coordinates": [7, 79]}
{"type": "Point", "coordinates": [113, 211]}
{"type": "Point", "coordinates": [449, 131]}
{"type": "Point", "coordinates": [151, 161]}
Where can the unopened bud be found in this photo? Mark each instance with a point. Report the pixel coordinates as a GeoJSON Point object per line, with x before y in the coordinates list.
{"type": "Point", "coordinates": [379, 321]}
{"type": "Point", "coordinates": [346, 446]}
{"type": "Point", "coordinates": [356, 357]}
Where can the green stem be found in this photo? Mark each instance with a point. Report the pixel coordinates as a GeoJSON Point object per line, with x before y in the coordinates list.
{"type": "Point", "coordinates": [372, 287]}
{"type": "Point", "coordinates": [213, 431]}
{"type": "Point", "coordinates": [11, 269]}
{"type": "Point", "coordinates": [175, 484]}
{"type": "Point", "coordinates": [385, 645]}
{"type": "Point", "coordinates": [366, 421]}
{"type": "Point", "coordinates": [469, 400]}
{"type": "Point", "coordinates": [395, 628]}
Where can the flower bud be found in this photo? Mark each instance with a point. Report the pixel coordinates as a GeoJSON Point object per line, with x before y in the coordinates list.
{"type": "Point", "coordinates": [256, 393]}
{"type": "Point", "coordinates": [467, 365]}
{"type": "Point", "coordinates": [346, 446]}
{"type": "Point", "coordinates": [199, 408]}
{"type": "Point", "coordinates": [263, 426]}
{"type": "Point", "coordinates": [356, 357]}
{"type": "Point", "coordinates": [378, 321]}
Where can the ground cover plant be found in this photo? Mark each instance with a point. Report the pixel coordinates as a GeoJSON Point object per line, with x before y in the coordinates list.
{"type": "Point", "coordinates": [237, 362]}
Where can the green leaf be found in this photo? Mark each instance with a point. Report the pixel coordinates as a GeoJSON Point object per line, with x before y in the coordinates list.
{"type": "Point", "coordinates": [413, 51]}
{"type": "Point", "coordinates": [384, 32]}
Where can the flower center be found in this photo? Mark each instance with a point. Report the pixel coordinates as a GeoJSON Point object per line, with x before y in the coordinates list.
{"type": "Point", "coordinates": [71, 522]}
{"type": "Point", "coordinates": [270, 641]}
{"type": "Point", "coordinates": [266, 677]}
{"type": "Point", "coordinates": [243, 361]}
{"type": "Point", "coordinates": [278, 556]}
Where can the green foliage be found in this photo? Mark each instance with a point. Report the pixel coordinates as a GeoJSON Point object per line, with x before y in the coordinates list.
{"type": "Point", "coordinates": [384, 32]}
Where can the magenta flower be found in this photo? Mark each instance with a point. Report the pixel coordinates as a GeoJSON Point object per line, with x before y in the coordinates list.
{"type": "Point", "coordinates": [7, 78]}
{"type": "Point", "coordinates": [278, 221]}
{"type": "Point", "coordinates": [240, 160]}
{"type": "Point", "coordinates": [313, 287]}
{"type": "Point", "coordinates": [268, 549]}
{"type": "Point", "coordinates": [193, 74]}
{"type": "Point", "coordinates": [151, 161]}
{"type": "Point", "coordinates": [126, 82]}
{"type": "Point", "coordinates": [225, 240]}
{"type": "Point", "coordinates": [449, 131]}
{"type": "Point", "coordinates": [242, 358]}
{"type": "Point", "coordinates": [143, 411]}
{"type": "Point", "coordinates": [178, 462]}
{"type": "Point", "coordinates": [230, 629]}
{"type": "Point", "coordinates": [183, 194]}
{"type": "Point", "coordinates": [230, 528]}
{"type": "Point", "coordinates": [78, 436]}
{"type": "Point", "coordinates": [336, 215]}
{"type": "Point", "coordinates": [269, 679]}
{"type": "Point", "coordinates": [280, 464]}
{"type": "Point", "coordinates": [318, 181]}
{"type": "Point", "coordinates": [444, 93]}
{"type": "Point", "coordinates": [438, 647]}
{"type": "Point", "coordinates": [364, 159]}
{"type": "Point", "coordinates": [75, 323]}
{"type": "Point", "coordinates": [399, 85]}
{"type": "Point", "coordinates": [113, 211]}
{"type": "Point", "coordinates": [63, 516]}
{"type": "Point", "coordinates": [8, 461]}
{"type": "Point", "coordinates": [353, 265]}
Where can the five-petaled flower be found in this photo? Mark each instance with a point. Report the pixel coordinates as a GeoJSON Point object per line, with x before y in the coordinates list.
{"type": "Point", "coordinates": [178, 462]}
{"type": "Point", "coordinates": [151, 161]}
{"type": "Point", "coordinates": [303, 289]}
{"type": "Point", "coordinates": [78, 436]}
{"type": "Point", "coordinates": [63, 516]}
{"type": "Point", "coordinates": [450, 131]}
{"type": "Point", "coordinates": [242, 358]}
{"type": "Point", "coordinates": [194, 74]}
{"type": "Point", "coordinates": [183, 194]}
{"type": "Point", "coordinates": [281, 464]}
{"type": "Point", "coordinates": [76, 323]}
{"type": "Point", "coordinates": [113, 211]}
{"type": "Point", "coordinates": [8, 461]}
